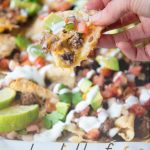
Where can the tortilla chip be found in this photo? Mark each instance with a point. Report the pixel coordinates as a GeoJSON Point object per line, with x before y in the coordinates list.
{"type": "Point", "coordinates": [72, 128]}
{"type": "Point", "coordinates": [126, 125]}
{"type": "Point", "coordinates": [61, 75]}
{"type": "Point", "coordinates": [7, 45]}
{"type": "Point", "coordinates": [24, 85]}
{"type": "Point", "coordinates": [90, 41]}
{"type": "Point", "coordinates": [10, 18]}
{"type": "Point", "coordinates": [77, 139]}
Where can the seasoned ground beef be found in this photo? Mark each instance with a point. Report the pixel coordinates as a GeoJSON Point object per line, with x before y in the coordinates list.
{"type": "Point", "coordinates": [107, 125]}
{"type": "Point", "coordinates": [142, 127]}
{"type": "Point", "coordinates": [30, 98]}
{"type": "Point", "coordinates": [75, 41]}
{"type": "Point", "coordinates": [68, 57]}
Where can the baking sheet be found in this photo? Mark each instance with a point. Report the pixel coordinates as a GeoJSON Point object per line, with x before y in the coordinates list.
{"type": "Point", "coordinates": [22, 145]}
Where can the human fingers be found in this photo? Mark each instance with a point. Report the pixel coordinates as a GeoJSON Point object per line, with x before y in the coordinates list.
{"type": "Point", "coordinates": [117, 8]}
{"type": "Point", "coordinates": [96, 4]}
{"type": "Point", "coordinates": [136, 34]}
{"type": "Point", "coordinates": [136, 54]}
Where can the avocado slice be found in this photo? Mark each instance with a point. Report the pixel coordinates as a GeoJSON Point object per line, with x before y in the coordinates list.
{"type": "Point", "coordinates": [111, 63]}
{"type": "Point", "coordinates": [62, 108]}
{"type": "Point", "coordinates": [53, 118]}
{"type": "Point", "coordinates": [65, 95]}
{"type": "Point", "coordinates": [84, 85]}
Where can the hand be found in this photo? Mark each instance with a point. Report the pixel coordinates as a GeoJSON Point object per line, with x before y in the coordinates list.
{"type": "Point", "coordinates": [116, 13]}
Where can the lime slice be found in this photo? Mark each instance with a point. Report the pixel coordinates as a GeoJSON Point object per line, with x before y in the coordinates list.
{"type": "Point", "coordinates": [6, 97]}
{"type": "Point", "coordinates": [17, 117]}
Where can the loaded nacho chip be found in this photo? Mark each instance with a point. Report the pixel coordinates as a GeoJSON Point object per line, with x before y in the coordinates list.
{"type": "Point", "coordinates": [70, 37]}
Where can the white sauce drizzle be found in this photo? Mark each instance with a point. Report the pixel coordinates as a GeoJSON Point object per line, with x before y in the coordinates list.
{"type": "Point", "coordinates": [144, 96]}
{"type": "Point", "coordinates": [27, 72]}
{"type": "Point", "coordinates": [81, 106]}
{"type": "Point", "coordinates": [115, 110]}
{"type": "Point", "coordinates": [112, 132]}
{"type": "Point", "coordinates": [63, 91]}
{"type": "Point", "coordinates": [102, 115]}
{"type": "Point", "coordinates": [44, 70]}
{"type": "Point", "coordinates": [117, 76]}
{"type": "Point", "coordinates": [75, 90]}
{"type": "Point", "coordinates": [92, 93]}
{"type": "Point", "coordinates": [56, 28]}
{"type": "Point", "coordinates": [130, 101]}
{"type": "Point", "coordinates": [50, 135]}
{"type": "Point", "coordinates": [56, 88]}
{"type": "Point", "coordinates": [90, 74]}
{"type": "Point", "coordinates": [81, 81]}
{"type": "Point", "coordinates": [88, 123]}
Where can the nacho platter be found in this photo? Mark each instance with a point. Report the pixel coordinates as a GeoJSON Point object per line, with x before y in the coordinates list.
{"type": "Point", "coordinates": [104, 97]}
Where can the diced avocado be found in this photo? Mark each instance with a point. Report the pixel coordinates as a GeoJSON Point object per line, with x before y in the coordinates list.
{"type": "Point", "coordinates": [53, 118]}
{"type": "Point", "coordinates": [97, 101]}
{"type": "Point", "coordinates": [69, 27]}
{"type": "Point", "coordinates": [108, 62]}
{"type": "Point", "coordinates": [52, 20]}
{"type": "Point", "coordinates": [76, 97]}
{"type": "Point", "coordinates": [22, 42]}
{"type": "Point", "coordinates": [84, 85]}
{"type": "Point", "coordinates": [62, 108]}
{"type": "Point", "coordinates": [31, 7]}
{"type": "Point", "coordinates": [65, 95]}
{"type": "Point", "coordinates": [47, 122]}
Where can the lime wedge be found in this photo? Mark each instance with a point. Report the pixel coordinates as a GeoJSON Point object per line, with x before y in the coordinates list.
{"type": "Point", "coordinates": [6, 97]}
{"type": "Point", "coordinates": [17, 117]}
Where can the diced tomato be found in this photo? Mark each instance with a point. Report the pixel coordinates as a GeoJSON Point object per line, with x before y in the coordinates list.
{"type": "Point", "coordinates": [93, 134]}
{"type": "Point", "coordinates": [111, 90]}
{"type": "Point", "coordinates": [105, 72]}
{"type": "Point", "coordinates": [49, 106]}
{"type": "Point", "coordinates": [121, 80]}
{"type": "Point", "coordinates": [138, 110]}
{"type": "Point", "coordinates": [40, 62]}
{"type": "Point", "coordinates": [5, 3]}
{"type": "Point", "coordinates": [135, 70]}
{"type": "Point", "coordinates": [106, 94]}
{"type": "Point", "coordinates": [130, 90]}
{"type": "Point", "coordinates": [61, 6]}
{"type": "Point", "coordinates": [23, 57]}
{"type": "Point", "coordinates": [32, 128]}
{"type": "Point", "coordinates": [85, 112]}
{"type": "Point", "coordinates": [4, 64]}
{"type": "Point", "coordinates": [147, 104]}
{"type": "Point", "coordinates": [98, 80]}
{"type": "Point", "coordinates": [82, 27]}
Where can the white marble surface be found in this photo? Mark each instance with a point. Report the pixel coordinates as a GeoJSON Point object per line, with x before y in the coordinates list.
{"type": "Point", "coordinates": [20, 145]}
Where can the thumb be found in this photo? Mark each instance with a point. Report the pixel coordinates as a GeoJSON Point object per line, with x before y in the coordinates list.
{"type": "Point", "coordinates": [117, 8]}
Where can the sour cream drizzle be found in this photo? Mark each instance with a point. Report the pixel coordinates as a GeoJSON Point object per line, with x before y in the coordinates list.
{"type": "Point", "coordinates": [27, 72]}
